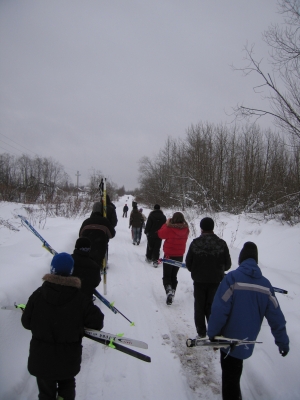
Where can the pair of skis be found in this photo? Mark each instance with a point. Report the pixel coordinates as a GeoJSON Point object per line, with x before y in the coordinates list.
{"type": "Point", "coordinates": [116, 342]}
{"type": "Point", "coordinates": [183, 265]}
{"type": "Point", "coordinates": [219, 342]}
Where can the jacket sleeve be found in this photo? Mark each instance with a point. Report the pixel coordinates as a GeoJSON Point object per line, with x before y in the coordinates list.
{"type": "Point", "coordinates": [148, 224]}
{"type": "Point", "coordinates": [189, 258]}
{"type": "Point", "coordinates": [220, 309]}
{"type": "Point", "coordinates": [93, 318]}
{"type": "Point", "coordinates": [227, 258]}
{"type": "Point", "coordinates": [277, 323]}
{"type": "Point", "coordinates": [163, 232]}
{"type": "Point", "coordinates": [27, 313]}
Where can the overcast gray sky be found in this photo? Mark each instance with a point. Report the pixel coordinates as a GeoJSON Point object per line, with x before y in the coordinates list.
{"type": "Point", "coordinates": [98, 84]}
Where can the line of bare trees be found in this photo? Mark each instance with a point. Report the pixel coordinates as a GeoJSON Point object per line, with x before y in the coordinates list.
{"type": "Point", "coordinates": [221, 168]}
{"type": "Point", "coordinates": [43, 182]}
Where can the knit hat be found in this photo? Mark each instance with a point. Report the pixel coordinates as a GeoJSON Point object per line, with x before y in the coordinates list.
{"type": "Point", "coordinates": [62, 264]}
{"type": "Point", "coordinates": [83, 244]}
{"type": "Point", "coordinates": [207, 224]}
{"type": "Point", "coordinates": [140, 210]}
{"type": "Point", "coordinates": [249, 250]}
{"type": "Point", "coordinates": [97, 207]}
{"type": "Point", "coordinates": [157, 207]}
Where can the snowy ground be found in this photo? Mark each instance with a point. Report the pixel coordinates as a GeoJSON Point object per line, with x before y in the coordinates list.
{"type": "Point", "coordinates": [175, 372]}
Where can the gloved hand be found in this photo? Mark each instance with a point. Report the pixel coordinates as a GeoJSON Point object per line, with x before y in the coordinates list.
{"type": "Point", "coordinates": [212, 339]}
{"type": "Point", "coordinates": [283, 352]}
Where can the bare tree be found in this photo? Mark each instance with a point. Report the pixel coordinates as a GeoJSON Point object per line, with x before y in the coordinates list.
{"type": "Point", "coordinates": [284, 97]}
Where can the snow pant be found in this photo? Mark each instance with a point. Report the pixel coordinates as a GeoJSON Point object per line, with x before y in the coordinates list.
{"type": "Point", "coordinates": [153, 248]}
{"type": "Point", "coordinates": [204, 294]}
{"type": "Point", "coordinates": [125, 214]}
{"type": "Point", "coordinates": [136, 234]}
{"type": "Point", "coordinates": [50, 389]}
{"type": "Point", "coordinates": [232, 369]}
{"type": "Point", "coordinates": [170, 273]}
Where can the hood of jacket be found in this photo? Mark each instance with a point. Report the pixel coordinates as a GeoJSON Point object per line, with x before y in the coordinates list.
{"type": "Point", "coordinates": [249, 267]}
{"type": "Point", "coordinates": [58, 290]}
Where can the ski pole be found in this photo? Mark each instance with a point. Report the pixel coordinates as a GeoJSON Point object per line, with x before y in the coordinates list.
{"type": "Point", "coordinates": [111, 306]}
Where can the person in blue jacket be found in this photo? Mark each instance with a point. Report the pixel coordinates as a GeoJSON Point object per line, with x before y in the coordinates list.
{"type": "Point", "coordinates": [242, 300]}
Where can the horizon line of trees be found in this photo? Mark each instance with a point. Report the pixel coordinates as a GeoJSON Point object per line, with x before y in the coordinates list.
{"type": "Point", "coordinates": [220, 168]}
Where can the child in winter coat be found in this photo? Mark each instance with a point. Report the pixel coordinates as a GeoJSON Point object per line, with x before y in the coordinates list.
{"type": "Point", "coordinates": [57, 313]}
{"type": "Point", "coordinates": [175, 232]}
{"type": "Point", "coordinates": [241, 302]}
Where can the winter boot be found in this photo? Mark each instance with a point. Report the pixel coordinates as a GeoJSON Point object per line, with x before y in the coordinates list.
{"type": "Point", "coordinates": [169, 293]}
{"type": "Point", "coordinates": [155, 264]}
{"type": "Point", "coordinates": [148, 260]}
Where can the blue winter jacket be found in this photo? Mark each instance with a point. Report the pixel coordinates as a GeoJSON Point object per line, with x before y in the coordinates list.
{"type": "Point", "coordinates": [242, 300]}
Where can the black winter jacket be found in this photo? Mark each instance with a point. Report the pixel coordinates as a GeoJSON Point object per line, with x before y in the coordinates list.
{"type": "Point", "coordinates": [56, 313]}
{"type": "Point", "coordinates": [111, 214]}
{"type": "Point", "coordinates": [136, 219]}
{"type": "Point", "coordinates": [207, 258]}
{"type": "Point", "coordinates": [155, 221]}
{"type": "Point", "coordinates": [99, 230]}
{"type": "Point", "coordinates": [87, 270]}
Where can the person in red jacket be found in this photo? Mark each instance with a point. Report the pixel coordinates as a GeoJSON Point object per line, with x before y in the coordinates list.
{"type": "Point", "coordinates": [175, 232]}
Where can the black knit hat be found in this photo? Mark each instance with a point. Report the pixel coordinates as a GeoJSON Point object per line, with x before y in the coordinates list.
{"type": "Point", "coordinates": [249, 250]}
{"type": "Point", "coordinates": [207, 224]}
{"type": "Point", "coordinates": [157, 207]}
{"type": "Point", "coordinates": [83, 244]}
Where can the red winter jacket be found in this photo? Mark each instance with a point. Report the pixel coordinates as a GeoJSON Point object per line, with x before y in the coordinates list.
{"type": "Point", "coordinates": [175, 236]}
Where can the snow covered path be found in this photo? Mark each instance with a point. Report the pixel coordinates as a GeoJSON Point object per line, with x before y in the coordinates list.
{"type": "Point", "coordinates": [175, 372]}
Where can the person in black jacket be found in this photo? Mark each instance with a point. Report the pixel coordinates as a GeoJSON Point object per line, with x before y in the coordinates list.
{"type": "Point", "coordinates": [111, 214]}
{"type": "Point", "coordinates": [85, 268]}
{"type": "Point", "coordinates": [155, 221]}
{"type": "Point", "coordinates": [125, 211]}
{"type": "Point", "coordinates": [57, 313]}
{"type": "Point", "coordinates": [99, 230]}
{"type": "Point", "coordinates": [135, 221]}
{"type": "Point", "coordinates": [207, 259]}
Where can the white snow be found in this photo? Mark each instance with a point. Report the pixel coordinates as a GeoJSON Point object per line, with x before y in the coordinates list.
{"type": "Point", "coordinates": [175, 372]}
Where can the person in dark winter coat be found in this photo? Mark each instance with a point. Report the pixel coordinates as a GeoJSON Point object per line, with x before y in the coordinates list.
{"type": "Point", "coordinates": [175, 232]}
{"type": "Point", "coordinates": [135, 221]}
{"type": "Point", "coordinates": [99, 230]}
{"type": "Point", "coordinates": [242, 300]}
{"type": "Point", "coordinates": [85, 268]}
{"type": "Point", "coordinates": [155, 221]}
{"type": "Point", "coordinates": [111, 214]}
{"type": "Point", "coordinates": [125, 211]}
{"type": "Point", "coordinates": [57, 313]}
{"type": "Point", "coordinates": [207, 259]}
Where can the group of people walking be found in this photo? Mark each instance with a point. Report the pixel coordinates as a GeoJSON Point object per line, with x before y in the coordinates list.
{"type": "Point", "coordinates": [232, 304]}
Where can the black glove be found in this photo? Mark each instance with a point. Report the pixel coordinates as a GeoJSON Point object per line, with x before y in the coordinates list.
{"type": "Point", "coordinates": [212, 339]}
{"type": "Point", "coordinates": [283, 352]}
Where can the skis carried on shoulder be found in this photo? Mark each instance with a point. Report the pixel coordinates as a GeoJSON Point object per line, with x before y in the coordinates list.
{"type": "Point", "coordinates": [108, 339]}
{"type": "Point", "coordinates": [120, 347]}
{"type": "Point", "coordinates": [35, 232]}
{"type": "Point", "coordinates": [119, 338]}
{"type": "Point", "coordinates": [219, 342]}
{"type": "Point", "coordinates": [183, 265]}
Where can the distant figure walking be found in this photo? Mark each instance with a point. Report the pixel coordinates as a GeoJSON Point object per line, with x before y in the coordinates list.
{"type": "Point", "coordinates": [175, 232]}
{"type": "Point", "coordinates": [155, 220]}
{"type": "Point", "coordinates": [125, 211]}
{"type": "Point", "coordinates": [135, 221]}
